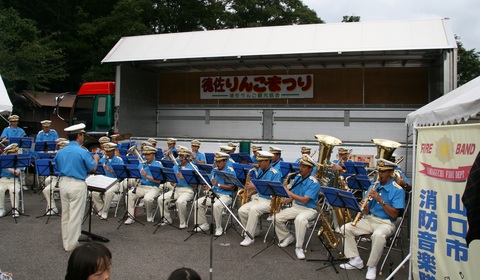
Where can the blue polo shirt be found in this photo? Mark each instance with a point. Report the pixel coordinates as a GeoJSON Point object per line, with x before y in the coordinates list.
{"type": "Point", "coordinates": [221, 180]}
{"type": "Point", "coordinates": [13, 132]}
{"type": "Point", "coordinates": [109, 162]}
{"type": "Point", "coordinates": [271, 174]}
{"type": "Point", "coordinates": [181, 182]}
{"type": "Point", "coordinates": [74, 161]}
{"type": "Point", "coordinates": [393, 194]}
{"type": "Point", "coordinates": [7, 174]}
{"type": "Point", "coordinates": [309, 187]}
{"type": "Point", "coordinates": [52, 135]}
{"type": "Point", "coordinates": [145, 166]}
{"type": "Point", "coordinates": [200, 157]}
{"type": "Point", "coordinates": [276, 165]}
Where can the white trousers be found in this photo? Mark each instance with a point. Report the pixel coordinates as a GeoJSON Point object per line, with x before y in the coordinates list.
{"type": "Point", "coordinates": [50, 187]}
{"type": "Point", "coordinates": [181, 196]}
{"type": "Point", "coordinates": [73, 194]}
{"type": "Point", "coordinates": [380, 229]}
{"type": "Point", "coordinates": [217, 209]}
{"type": "Point", "coordinates": [148, 193]}
{"type": "Point", "coordinates": [13, 186]}
{"type": "Point", "coordinates": [103, 205]}
{"type": "Point", "coordinates": [250, 212]}
{"type": "Point", "coordinates": [302, 216]}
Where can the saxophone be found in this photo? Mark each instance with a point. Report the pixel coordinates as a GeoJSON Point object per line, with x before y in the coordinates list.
{"type": "Point", "coordinates": [276, 202]}
{"type": "Point", "coordinates": [327, 233]}
{"type": "Point", "coordinates": [343, 214]}
{"type": "Point", "coordinates": [243, 193]}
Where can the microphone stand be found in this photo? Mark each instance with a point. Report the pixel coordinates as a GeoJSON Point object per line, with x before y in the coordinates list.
{"type": "Point", "coordinates": [214, 194]}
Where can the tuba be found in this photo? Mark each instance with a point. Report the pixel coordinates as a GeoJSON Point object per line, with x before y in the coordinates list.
{"type": "Point", "coordinates": [325, 149]}
{"type": "Point", "coordinates": [385, 148]}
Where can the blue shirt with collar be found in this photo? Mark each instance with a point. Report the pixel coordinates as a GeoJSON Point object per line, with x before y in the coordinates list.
{"type": "Point", "coordinates": [109, 162]}
{"type": "Point", "coordinates": [52, 135]}
{"type": "Point", "coordinates": [271, 174]}
{"type": "Point", "coordinates": [7, 174]}
{"type": "Point", "coordinates": [306, 187]}
{"type": "Point", "coordinates": [276, 165]}
{"type": "Point", "coordinates": [254, 159]}
{"type": "Point", "coordinates": [74, 161]}
{"type": "Point", "coordinates": [13, 132]}
{"type": "Point", "coordinates": [145, 166]}
{"type": "Point", "coordinates": [182, 182]}
{"type": "Point", "coordinates": [220, 180]}
{"type": "Point", "coordinates": [393, 194]}
{"type": "Point", "coordinates": [200, 157]}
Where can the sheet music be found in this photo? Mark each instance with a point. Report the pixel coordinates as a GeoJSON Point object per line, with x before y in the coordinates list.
{"type": "Point", "coordinates": [100, 183]}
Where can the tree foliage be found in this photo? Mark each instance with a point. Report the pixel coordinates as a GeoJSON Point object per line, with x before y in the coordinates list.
{"type": "Point", "coordinates": [468, 64]}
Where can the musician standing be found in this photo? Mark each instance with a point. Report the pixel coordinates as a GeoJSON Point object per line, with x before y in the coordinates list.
{"type": "Point", "coordinates": [73, 163]}
{"type": "Point", "coordinates": [109, 159]}
{"type": "Point", "coordinates": [260, 204]}
{"type": "Point", "coordinates": [304, 195]}
{"type": "Point", "coordinates": [388, 200]}
{"type": "Point", "coordinates": [10, 181]}
{"type": "Point", "coordinates": [181, 193]}
{"type": "Point", "coordinates": [46, 134]}
{"type": "Point", "coordinates": [148, 189]}
{"type": "Point", "coordinates": [197, 157]}
{"type": "Point", "coordinates": [224, 192]}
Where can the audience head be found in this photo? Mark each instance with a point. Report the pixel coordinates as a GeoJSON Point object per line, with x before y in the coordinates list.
{"type": "Point", "coordinates": [90, 261]}
{"type": "Point", "coordinates": [184, 274]}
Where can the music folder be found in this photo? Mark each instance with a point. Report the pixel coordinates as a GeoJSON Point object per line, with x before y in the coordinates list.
{"type": "Point", "coordinates": [169, 174]}
{"type": "Point", "coordinates": [270, 188]}
{"type": "Point", "coordinates": [241, 157]}
{"type": "Point", "coordinates": [193, 178]}
{"type": "Point", "coordinates": [100, 183]}
{"type": "Point", "coordinates": [228, 178]}
{"type": "Point", "coordinates": [126, 171]}
{"type": "Point", "coordinates": [340, 198]}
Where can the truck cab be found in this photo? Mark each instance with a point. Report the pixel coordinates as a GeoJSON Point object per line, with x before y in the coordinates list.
{"type": "Point", "coordinates": [94, 106]}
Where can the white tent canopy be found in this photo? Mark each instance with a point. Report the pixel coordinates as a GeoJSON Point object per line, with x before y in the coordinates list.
{"type": "Point", "coordinates": [461, 103]}
{"type": "Point", "coordinates": [5, 103]}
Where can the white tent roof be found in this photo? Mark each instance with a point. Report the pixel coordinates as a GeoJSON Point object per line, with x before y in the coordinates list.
{"type": "Point", "coordinates": [461, 103]}
{"type": "Point", "coordinates": [5, 103]}
{"type": "Point", "coordinates": [287, 40]}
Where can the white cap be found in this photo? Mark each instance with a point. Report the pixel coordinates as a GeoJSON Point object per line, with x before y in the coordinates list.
{"type": "Point", "coordinates": [76, 128]}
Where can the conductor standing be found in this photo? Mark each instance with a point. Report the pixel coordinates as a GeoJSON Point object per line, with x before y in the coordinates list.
{"type": "Point", "coordinates": [73, 163]}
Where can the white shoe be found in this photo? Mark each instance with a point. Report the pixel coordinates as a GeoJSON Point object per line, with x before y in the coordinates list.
{"type": "Point", "coordinates": [202, 227]}
{"type": "Point", "coordinates": [299, 253]}
{"type": "Point", "coordinates": [149, 219]}
{"type": "Point", "coordinates": [2, 212]}
{"type": "Point", "coordinates": [371, 273]}
{"type": "Point", "coordinates": [15, 214]}
{"type": "Point", "coordinates": [104, 215]}
{"type": "Point", "coordinates": [287, 241]}
{"type": "Point", "coordinates": [129, 221]}
{"type": "Point", "coordinates": [247, 241]}
{"type": "Point", "coordinates": [165, 222]}
{"type": "Point", "coordinates": [218, 231]}
{"type": "Point", "coordinates": [25, 188]}
{"type": "Point", "coordinates": [183, 225]}
{"type": "Point", "coordinates": [270, 218]}
{"type": "Point", "coordinates": [141, 203]}
{"type": "Point", "coordinates": [52, 212]}
{"type": "Point", "coordinates": [352, 264]}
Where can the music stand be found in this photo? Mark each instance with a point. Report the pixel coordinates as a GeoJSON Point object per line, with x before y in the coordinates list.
{"type": "Point", "coordinates": [100, 170]}
{"type": "Point", "coordinates": [159, 154]}
{"type": "Point", "coordinates": [241, 171]}
{"type": "Point", "coordinates": [46, 167]}
{"type": "Point", "coordinates": [15, 161]}
{"type": "Point", "coordinates": [130, 160]}
{"type": "Point", "coordinates": [241, 157]}
{"type": "Point", "coordinates": [198, 179]}
{"type": "Point", "coordinates": [125, 172]}
{"type": "Point", "coordinates": [233, 180]}
{"type": "Point", "coordinates": [288, 167]}
{"type": "Point", "coordinates": [45, 146]}
{"type": "Point", "coordinates": [22, 142]}
{"type": "Point", "coordinates": [209, 158]}
{"type": "Point", "coordinates": [168, 163]}
{"type": "Point", "coordinates": [96, 183]}
{"type": "Point", "coordinates": [205, 167]}
{"type": "Point", "coordinates": [158, 173]}
{"type": "Point", "coordinates": [273, 189]}
{"type": "Point", "coordinates": [337, 198]}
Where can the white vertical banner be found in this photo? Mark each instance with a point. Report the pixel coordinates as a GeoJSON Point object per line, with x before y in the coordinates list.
{"type": "Point", "coordinates": [444, 157]}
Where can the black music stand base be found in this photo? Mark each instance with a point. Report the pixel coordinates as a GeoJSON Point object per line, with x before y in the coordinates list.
{"type": "Point", "coordinates": [127, 215]}
{"type": "Point", "coordinates": [163, 221]}
{"type": "Point", "coordinates": [89, 234]}
{"type": "Point", "coordinates": [331, 260]}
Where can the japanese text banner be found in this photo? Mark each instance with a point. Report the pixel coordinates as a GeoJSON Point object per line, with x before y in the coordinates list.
{"type": "Point", "coordinates": [444, 157]}
{"type": "Point", "coordinates": [257, 87]}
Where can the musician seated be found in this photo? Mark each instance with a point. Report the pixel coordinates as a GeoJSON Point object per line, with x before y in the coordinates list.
{"type": "Point", "coordinates": [148, 188]}
{"type": "Point", "coordinates": [304, 195]}
{"type": "Point", "coordinates": [259, 204]}
{"type": "Point", "coordinates": [339, 164]}
{"type": "Point", "coordinates": [304, 151]}
{"type": "Point", "coordinates": [181, 193]}
{"type": "Point", "coordinates": [103, 204]}
{"type": "Point", "coordinates": [224, 192]}
{"type": "Point", "coordinates": [46, 134]}
{"type": "Point", "coordinates": [255, 149]}
{"type": "Point", "coordinates": [197, 157]}
{"type": "Point", "coordinates": [380, 213]}
{"type": "Point", "coordinates": [277, 158]}
{"type": "Point", "coordinates": [51, 185]}
{"type": "Point", "coordinates": [10, 181]}
{"type": "Point", "coordinates": [228, 150]}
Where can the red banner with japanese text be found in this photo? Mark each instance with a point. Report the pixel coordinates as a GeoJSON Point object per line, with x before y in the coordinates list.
{"type": "Point", "coordinates": [444, 157]}
{"type": "Point", "coordinates": [256, 87]}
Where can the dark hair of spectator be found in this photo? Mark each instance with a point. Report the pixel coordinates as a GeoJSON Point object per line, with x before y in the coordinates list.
{"type": "Point", "coordinates": [87, 259]}
{"type": "Point", "coordinates": [184, 274]}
